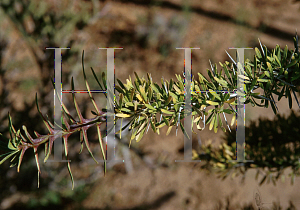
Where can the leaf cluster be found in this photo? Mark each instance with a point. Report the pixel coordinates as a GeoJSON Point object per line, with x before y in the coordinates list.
{"type": "Point", "coordinates": [276, 73]}
{"type": "Point", "coordinates": [147, 103]}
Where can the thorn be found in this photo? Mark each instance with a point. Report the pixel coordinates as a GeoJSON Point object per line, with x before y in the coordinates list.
{"type": "Point", "coordinates": [261, 47]}
{"type": "Point", "coordinates": [212, 69]}
{"type": "Point", "coordinates": [230, 57]}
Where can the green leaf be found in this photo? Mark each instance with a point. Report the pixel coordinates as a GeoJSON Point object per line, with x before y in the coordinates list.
{"type": "Point", "coordinates": [288, 94]}
{"type": "Point", "coordinates": [173, 95]}
{"type": "Point", "coordinates": [165, 120]}
{"type": "Point", "coordinates": [133, 135]}
{"type": "Point", "coordinates": [258, 54]}
{"type": "Point", "coordinates": [122, 115]}
{"type": "Point", "coordinates": [273, 107]}
{"type": "Point", "coordinates": [138, 79]}
{"type": "Point", "coordinates": [285, 52]}
{"type": "Point", "coordinates": [158, 96]}
{"type": "Point", "coordinates": [169, 130]}
{"type": "Point", "coordinates": [125, 126]}
{"type": "Point", "coordinates": [221, 82]}
{"type": "Point", "coordinates": [140, 135]}
{"type": "Point", "coordinates": [129, 104]}
{"type": "Point", "coordinates": [119, 89]}
{"type": "Point", "coordinates": [268, 85]}
{"type": "Point", "coordinates": [216, 123]}
{"type": "Point", "coordinates": [104, 80]}
{"type": "Point", "coordinates": [121, 84]}
{"type": "Point", "coordinates": [153, 126]}
{"type": "Point", "coordinates": [168, 100]}
{"type": "Point", "coordinates": [97, 80]}
{"type": "Point", "coordinates": [150, 93]}
{"type": "Point", "coordinates": [210, 74]}
{"type": "Point", "coordinates": [267, 74]}
{"type": "Point", "coordinates": [149, 78]}
{"type": "Point", "coordinates": [212, 122]}
{"type": "Point", "coordinates": [155, 88]}
{"type": "Point", "coordinates": [8, 155]}
{"type": "Point", "coordinates": [292, 63]}
{"type": "Point", "coordinates": [166, 111]}
{"type": "Point", "coordinates": [177, 89]}
{"type": "Point", "coordinates": [150, 107]}
{"type": "Point", "coordinates": [197, 110]}
{"type": "Point", "coordinates": [121, 99]}
{"type": "Point", "coordinates": [11, 146]}
{"type": "Point", "coordinates": [253, 83]}
{"type": "Point", "coordinates": [221, 124]}
{"type": "Point", "coordinates": [209, 118]}
{"type": "Point", "coordinates": [228, 111]}
{"type": "Point", "coordinates": [277, 60]}
{"type": "Point", "coordinates": [135, 105]}
{"type": "Point", "coordinates": [244, 77]}
{"type": "Point", "coordinates": [161, 124]}
{"type": "Point", "coordinates": [171, 85]}
{"type": "Point", "coordinates": [212, 103]}
{"type": "Point", "coordinates": [71, 175]}
{"type": "Point", "coordinates": [232, 120]}
{"type": "Point", "coordinates": [27, 134]}
{"type": "Point", "coordinates": [255, 66]}
{"type": "Point", "coordinates": [248, 71]}
{"type": "Point", "coordinates": [227, 73]}
{"type": "Point", "coordinates": [215, 95]}
{"type": "Point", "coordinates": [144, 124]}
{"type": "Point", "coordinates": [296, 77]}
{"type": "Point", "coordinates": [230, 101]}
{"type": "Point", "coordinates": [125, 110]}
{"type": "Point", "coordinates": [183, 130]}
{"type": "Point", "coordinates": [140, 98]}
{"type": "Point", "coordinates": [143, 93]}
{"type": "Point", "coordinates": [281, 93]}
{"type": "Point", "coordinates": [262, 80]}
{"type": "Point", "coordinates": [296, 43]}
